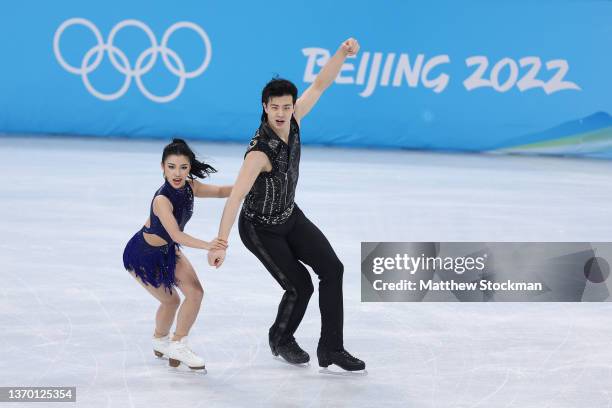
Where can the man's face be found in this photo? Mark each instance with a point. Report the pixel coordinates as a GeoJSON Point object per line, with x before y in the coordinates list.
{"type": "Point", "coordinates": [279, 110]}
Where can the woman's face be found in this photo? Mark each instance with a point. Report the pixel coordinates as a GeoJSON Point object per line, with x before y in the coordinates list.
{"type": "Point", "coordinates": [176, 169]}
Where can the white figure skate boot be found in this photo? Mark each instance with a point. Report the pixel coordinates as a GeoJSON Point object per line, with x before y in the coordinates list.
{"type": "Point", "coordinates": [161, 345]}
{"type": "Point", "coordinates": [179, 352]}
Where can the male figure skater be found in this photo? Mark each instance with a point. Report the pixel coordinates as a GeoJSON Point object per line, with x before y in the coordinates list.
{"type": "Point", "coordinates": [277, 232]}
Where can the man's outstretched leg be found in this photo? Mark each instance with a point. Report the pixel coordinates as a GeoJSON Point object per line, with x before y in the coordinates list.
{"type": "Point", "coordinates": [311, 247]}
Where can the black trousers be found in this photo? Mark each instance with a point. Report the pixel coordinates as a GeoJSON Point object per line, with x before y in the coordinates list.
{"type": "Point", "coordinates": [282, 249]}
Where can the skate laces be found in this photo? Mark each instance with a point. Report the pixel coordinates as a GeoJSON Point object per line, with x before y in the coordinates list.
{"type": "Point", "coordinates": [348, 356]}
{"type": "Point", "coordinates": [182, 347]}
{"type": "Point", "coordinates": [294, 347]}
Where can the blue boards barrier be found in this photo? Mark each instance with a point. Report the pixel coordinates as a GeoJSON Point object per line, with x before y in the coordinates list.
{"type": "Point", "coordinates": [503, 76]}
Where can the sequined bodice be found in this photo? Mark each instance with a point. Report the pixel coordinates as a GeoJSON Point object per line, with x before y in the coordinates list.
{"type": "Point", "coordinates": [271, 199]}
{"type": "Point", "coordinates": [182, 209]}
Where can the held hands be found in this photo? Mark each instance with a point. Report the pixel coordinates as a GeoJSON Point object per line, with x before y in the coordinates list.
{"type": "Point", "coordinates": [216, 252]}
{"type": "Point", "coordinates": [217, 243]}
{"type": "Point", "coordinates": [350, 47]}
{"type": "Point", "coordinates": [216, 257]}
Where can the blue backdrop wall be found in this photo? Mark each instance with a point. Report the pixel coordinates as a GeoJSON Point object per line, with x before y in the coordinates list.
{"type": "Point", "coordinates": [509, 76]}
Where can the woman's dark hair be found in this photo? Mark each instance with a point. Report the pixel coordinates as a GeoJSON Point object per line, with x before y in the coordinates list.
{"type": "Point", "coordinates": [277, 87]}
{"type": "Point", "coordinates": [179, 147]}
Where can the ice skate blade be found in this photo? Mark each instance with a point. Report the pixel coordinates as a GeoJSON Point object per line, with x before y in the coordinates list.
{"type": "Point", "coordinates": [160, 355]}
{"type": "Point", "coordinates": [282, 360]}
{"type": "Point", "coordinates": [343, 373]}
{"type": "Point", "coordinates": [184, 370]}
{"type": "Point", "coordinates": [175, 363]}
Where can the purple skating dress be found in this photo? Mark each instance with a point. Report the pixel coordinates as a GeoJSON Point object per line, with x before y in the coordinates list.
{"type": "Point", "coordinates": [155, 265]}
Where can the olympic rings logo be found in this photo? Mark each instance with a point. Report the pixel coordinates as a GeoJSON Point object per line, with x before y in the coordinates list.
{"type": "Point", "coordinates": [121, 63]}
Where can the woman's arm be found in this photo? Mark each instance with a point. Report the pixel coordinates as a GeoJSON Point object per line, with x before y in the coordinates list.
{"type": "Point", "coordinates": [162, 207]}
{"type": "Point", "coordinates": [208, 190]}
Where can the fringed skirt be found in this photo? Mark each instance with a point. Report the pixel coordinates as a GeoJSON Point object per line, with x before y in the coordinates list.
{"type": "Point", "coordinates": [154, 265]}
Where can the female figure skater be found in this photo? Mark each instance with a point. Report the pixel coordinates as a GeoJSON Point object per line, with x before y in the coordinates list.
{"type": "Point", "coordinates": [277, 232]}
{"type": "Point", "coordinates": [154, 258]}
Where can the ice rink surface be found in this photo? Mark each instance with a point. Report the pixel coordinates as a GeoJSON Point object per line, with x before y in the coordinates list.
{"type": "Point", "coordinates": [70, 315]}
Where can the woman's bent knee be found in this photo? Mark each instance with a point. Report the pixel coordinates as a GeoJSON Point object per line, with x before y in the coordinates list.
{"type": "Point", "coordinates": [195, 294]}
{"type": "Point", "coordinates": [173, 301]}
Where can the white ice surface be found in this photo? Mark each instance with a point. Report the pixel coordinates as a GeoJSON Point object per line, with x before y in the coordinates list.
{"type": "Point", "coordinates": [71, 316]}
